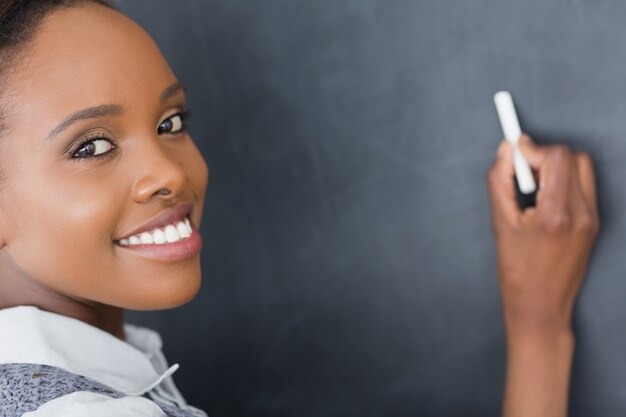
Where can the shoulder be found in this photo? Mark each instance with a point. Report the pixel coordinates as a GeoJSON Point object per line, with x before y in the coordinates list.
{"type": "Point", "coordinates": [90, 404]}
{"type": "Point", "coordinates": [36, 390]}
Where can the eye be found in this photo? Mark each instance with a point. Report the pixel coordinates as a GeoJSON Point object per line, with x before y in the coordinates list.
{"type": "Point", "coordinates": [176, 123]}
{"type": "Point", "coordinates": [97, 147]}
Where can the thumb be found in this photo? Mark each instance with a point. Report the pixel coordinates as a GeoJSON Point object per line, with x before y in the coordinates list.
{"type": "Point", "coordinates": [504, 159]}
{"type": "Point", "coordinates": [505, 150]}
{"type": "Point", "coordinates": [503, 163]}
{"type": "Point", "coordinates": [532, 152]}
{"type": "Point", "coordinates": [501, 185]}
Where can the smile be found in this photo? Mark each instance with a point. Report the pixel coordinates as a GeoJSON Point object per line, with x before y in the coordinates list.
{"type": "Point", "coordinates": [169, 233]}
{"type": "Point", "coordinates": [172, 242]}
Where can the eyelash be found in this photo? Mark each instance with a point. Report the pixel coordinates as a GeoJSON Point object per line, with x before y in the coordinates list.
{"type": "Point", "coordinates": [184, 117]}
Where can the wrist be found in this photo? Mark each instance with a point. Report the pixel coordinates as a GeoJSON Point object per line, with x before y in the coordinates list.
{"type": "Point", "coordinates": [538, 323]}
{"type": "Point", "coordinates": [546, 340]}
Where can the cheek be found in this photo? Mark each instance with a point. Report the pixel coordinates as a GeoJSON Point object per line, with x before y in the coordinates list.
{"type": "Point", "coordinates": [61, 235]}
{"type": "Point", "coordinates": [64, 233]}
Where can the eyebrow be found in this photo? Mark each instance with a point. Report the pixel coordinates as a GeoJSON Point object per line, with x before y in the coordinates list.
{"type": "Point", "coordinates": [107, 110]}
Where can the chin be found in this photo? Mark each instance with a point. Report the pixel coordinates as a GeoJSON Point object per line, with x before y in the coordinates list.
{"type": "Point", "coordinates": [168, 297]}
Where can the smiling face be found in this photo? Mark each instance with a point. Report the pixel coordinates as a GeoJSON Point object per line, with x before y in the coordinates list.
{"type": "Point", "coordinates": [60, 210]}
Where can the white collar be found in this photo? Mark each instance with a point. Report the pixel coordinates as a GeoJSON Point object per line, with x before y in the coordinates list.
{"type": "Point", "coordinates": [32, 335]}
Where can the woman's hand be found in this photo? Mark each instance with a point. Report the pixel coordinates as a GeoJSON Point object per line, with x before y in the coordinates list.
{"type": "Point", "coordinates": [543, 254]}
{"type": "Point", "coordinates": [543, 251]}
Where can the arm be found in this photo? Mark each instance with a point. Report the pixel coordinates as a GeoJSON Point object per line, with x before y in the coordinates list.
{"type": "Point", "coordinates": [537, 373]}
{"type": "Point", "coordinates": [542, 254]}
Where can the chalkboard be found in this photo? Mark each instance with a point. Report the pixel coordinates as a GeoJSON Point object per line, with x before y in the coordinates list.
{"type": "Point", "coordinates": [348, 260]}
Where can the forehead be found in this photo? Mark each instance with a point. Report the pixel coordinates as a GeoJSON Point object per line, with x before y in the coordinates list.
{"type": "Point", "coordinates": [88, 55]}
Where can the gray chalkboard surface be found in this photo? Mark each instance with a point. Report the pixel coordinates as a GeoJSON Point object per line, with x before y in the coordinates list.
{"type": "Point", "coordinates": [348, 260]}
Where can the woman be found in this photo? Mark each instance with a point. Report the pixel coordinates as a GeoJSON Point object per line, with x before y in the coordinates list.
{"type": "Point", "coordinates": [101, 197]}
{"type": "Point", "coordinates": [543, 254]}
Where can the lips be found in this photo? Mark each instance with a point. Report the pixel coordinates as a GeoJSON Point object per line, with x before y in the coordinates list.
{"type": "Point", "coordinates": [172, 215]}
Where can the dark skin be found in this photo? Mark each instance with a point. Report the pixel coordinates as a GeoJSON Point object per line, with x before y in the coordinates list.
{"type": "Point", "coordinates": [543, 257]}
{"type": "Point", "coordinates": [60, 214]}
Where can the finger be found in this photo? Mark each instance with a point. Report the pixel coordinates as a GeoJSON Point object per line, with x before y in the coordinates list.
{"type": "Point", "coordinates": [579, 206]}
{"type": "Point", "coordinates": [587, 180]}
{"type": "Point", "coordinates": [502, 186]}
{"type": "Point", "coordinates": [554, 166]}
{"type": "Point", "coordinates": [533, 153]}
{"type": "Point", "coordinates": [555, 174]}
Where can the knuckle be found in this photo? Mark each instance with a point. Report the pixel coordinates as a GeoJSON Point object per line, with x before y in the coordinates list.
{"type": "Point", "coordinates": [596, 225]}
{"type": "Point", "coordinates": [560, 152]}
{"type": "Point", "coordinates": [557, 222]}
{"type": "Point", "coordinates": [586, 223]}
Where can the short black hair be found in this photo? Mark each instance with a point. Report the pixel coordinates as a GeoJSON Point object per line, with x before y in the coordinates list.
{"type": "Point", "coordinates": [19, 19]}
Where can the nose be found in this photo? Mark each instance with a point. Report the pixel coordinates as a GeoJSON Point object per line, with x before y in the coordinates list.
{"type": "Point", "coordinates": [160, 174]}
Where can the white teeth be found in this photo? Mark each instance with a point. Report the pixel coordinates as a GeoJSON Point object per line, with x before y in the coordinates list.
{"type": "Point", "coordinates": [159, 236]}
{"type": "Point", "coordinates": [167, 234]}
{"type": "Point", "coordinates": [182, 229]}
{"type": "Point", "coordinates": [146, 238]}
{"type": "Point", "coordinates": [171, 234]}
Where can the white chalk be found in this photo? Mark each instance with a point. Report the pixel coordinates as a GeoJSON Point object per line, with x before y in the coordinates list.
{"type": "Point", "coordinates": [512, 132]}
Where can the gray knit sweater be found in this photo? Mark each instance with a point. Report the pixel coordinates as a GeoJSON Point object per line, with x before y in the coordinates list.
{"type": "Point", "coordinates": [26, 386]}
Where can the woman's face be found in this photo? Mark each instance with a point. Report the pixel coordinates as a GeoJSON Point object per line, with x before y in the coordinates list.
{"type": "Point", "coordinates": [60, 211]}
